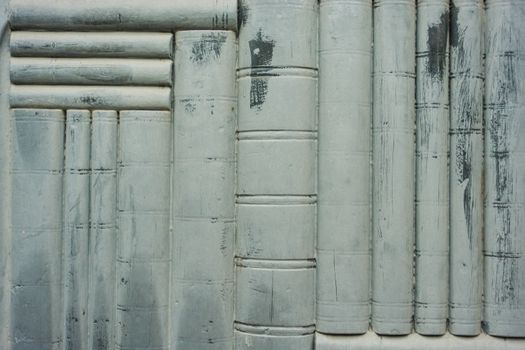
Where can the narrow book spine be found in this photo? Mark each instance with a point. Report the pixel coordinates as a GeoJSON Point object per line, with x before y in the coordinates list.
{"type": "Point", "coordinates": [466, 166]}
{"type": "Point", "coordinates": [432, 127]}
{"type": "Point", "coordinates": [102, 233]}
{"type": "Point", "coordinates": [345, 120]}
{"type": "Point", "coordinates": [205, 105]}
{"type": "Point", "coordinates": [76, 227]}
{"type": "Point", "coordinates": [143, 254]}
{"type": "Point", "coordinates": [504, 253]}
{"type": "Point", "coordinates": [393, 166]}
{"type": "Point", "coordinates": [276, 175]}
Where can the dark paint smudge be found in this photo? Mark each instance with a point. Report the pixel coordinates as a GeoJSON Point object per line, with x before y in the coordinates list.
{"type": "Point", "coordinates": [454, 25]}
{"type": "Point", "coordinates": [242, 13]}
{"type": "Point", "coordinates": [261, 51]}
{"type": "Point", "coordinates": [437, 46]}
{"type": "Point", "coordinates": [208, 46]}
{"type": "Point", "coordinates": [258, 91]}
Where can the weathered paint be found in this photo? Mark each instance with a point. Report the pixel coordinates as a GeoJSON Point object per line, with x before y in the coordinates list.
{"type": "Point", "coordinates": [143, 253]}
{"type": "Point", "coordinates": [91, 44]}
{"type": "Point", "coordinates": [123, 14]}
{"type": "Point", "coordinates": [345, 117]}
{"type": "Point", "coordinates": [393, 166]}
{"type": "Point", "coordinates": [276, 175]}
{"type": "Point", "coordinates": [103, 230]}
{"type": "Point", "coordinates": [504, 253]}
{"type": "Point", "coordinates": [75, 239]}
{"type": "Point", "coordinates": [432, 126]}
{"type": "Point", "coordinates": [36, 223]}
{"type": "Point", "coordinates": [90, 71]}
{"type": "Point", "coordinates": [466, 166]}
{"type": "Point", "coordinates": [205, 104]}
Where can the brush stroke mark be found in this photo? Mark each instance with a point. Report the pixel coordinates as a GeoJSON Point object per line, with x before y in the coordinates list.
{"type": "Point", "coordinates": [261, 51]}
{"type": "Point", "coordinates": [437, 45]}
{"type": "Point", "coordinates": [208, 47]}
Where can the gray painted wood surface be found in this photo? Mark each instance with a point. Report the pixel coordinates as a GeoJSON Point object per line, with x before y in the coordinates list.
{"type": "Point", "coordinates": [345, 118]}
{"type": "Point", "coordinates": [123, 179]}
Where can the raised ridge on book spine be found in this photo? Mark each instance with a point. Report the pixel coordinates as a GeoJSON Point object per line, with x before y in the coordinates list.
{"type": "Point", "coordinates": [205, 105]}
{"type": "Point", "coordinates": [103, 231]}
{"type": "Point", "coordinates": [276, 175]}
{"type": "Point", "coordinates": [466, 166]}
{"type": "Point", "coordinates": [504, 253]}
{"type": "Point", "coordinates": [75, 239]}
{"type": "Point", "coordinates": [36, 318]}
{"type": "Point", "coordinates": [393, 166]}
{"type": "Point", "coordinates": [432, 126]}
{"type": "Point", "coordinates": [345, 120]}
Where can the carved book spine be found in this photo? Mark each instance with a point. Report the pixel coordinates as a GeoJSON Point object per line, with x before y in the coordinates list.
{"type": "Point", "coordinates": [466, 166]}
{"type": "Point", "coordinates": [432, 127]}
{"type": "Point", "coordinates": [345, 118]}
{"type": "Point", "coordinates": [276, 175]}
{"type": "Point", "coordinates": [75, 238]}
{"type": "Point", "coordinates": [393, 166]}
{"type": "Point", "coordinates": [504, 253]}
{"type": "Point", "coordinates": [36, 223]}
{"type": "Point", "coordinates": [143, 254]}
{"type": "Point", "coordinates": [103, 232]}
{"type": "Point", "coordinates": [205, 105]}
